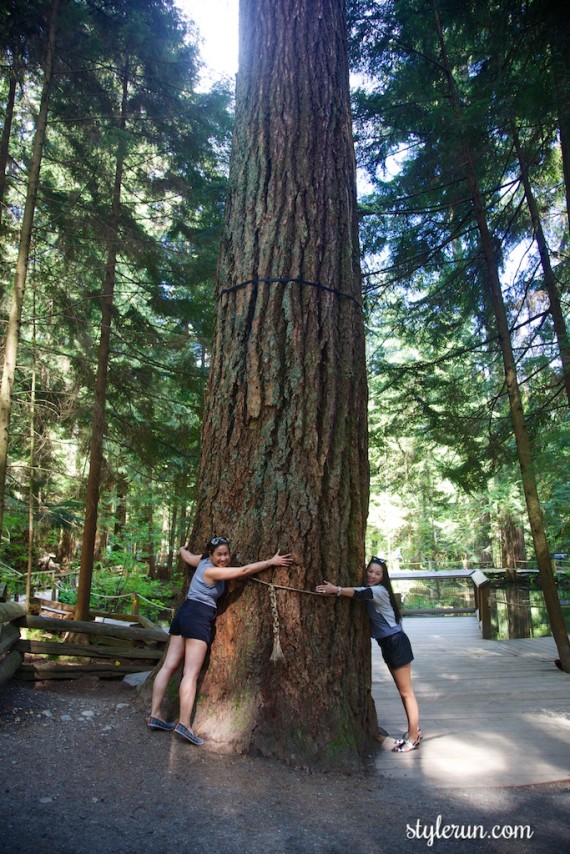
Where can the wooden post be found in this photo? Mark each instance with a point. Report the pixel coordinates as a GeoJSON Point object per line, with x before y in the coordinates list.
{"type": "Point", "coordinates": [482, 586]}
{"type": "Point", "coordinates": [135, 605]}
{"type": "Point", "coordinates": [9, 635]}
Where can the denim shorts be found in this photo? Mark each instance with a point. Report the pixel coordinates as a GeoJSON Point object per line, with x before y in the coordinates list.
{"type": "Point", "coordinates": [396, 650]}
{"type": "Point", "coordinates": [194, 620]}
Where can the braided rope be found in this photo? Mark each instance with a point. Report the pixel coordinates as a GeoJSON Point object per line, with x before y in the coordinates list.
{"type": "Point", "coordinates": [277, 653]}
{"type": "Point", "coordinates": [283, 587]}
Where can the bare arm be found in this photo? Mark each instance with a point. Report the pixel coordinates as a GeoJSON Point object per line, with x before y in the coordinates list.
{"type": "Point", "coordinates": [328, 589]}
{"type": "Point", "coordinates": [189, 558]}
{"type": "Point", "coordinates": [228, 573]}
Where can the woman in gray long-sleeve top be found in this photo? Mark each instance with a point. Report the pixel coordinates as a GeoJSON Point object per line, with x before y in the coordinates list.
{"type": "Point", "coordinates": [386, 628]}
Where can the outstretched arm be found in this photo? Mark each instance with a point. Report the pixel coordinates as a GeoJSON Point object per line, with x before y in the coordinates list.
{"type": "Point", "coordinates": [328, 589]}
{"type": "Point", "coordinates": [189, 558]}
{"type": "Point", "coordinates": [228, 573]}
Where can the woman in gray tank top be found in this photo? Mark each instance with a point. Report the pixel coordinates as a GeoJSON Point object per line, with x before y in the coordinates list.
{"type": "Point", "coordinates": [192, 627]}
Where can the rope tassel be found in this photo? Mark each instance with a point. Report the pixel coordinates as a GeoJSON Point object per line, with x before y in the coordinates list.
{"type": "Point", "coordinates": [277, 653]}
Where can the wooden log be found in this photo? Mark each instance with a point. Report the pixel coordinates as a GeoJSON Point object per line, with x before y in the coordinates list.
{"type": "Point", "coordinates": [53, 670]}
{"type": "Point", "coordinates": [10, 611]}
{"type": "Point", "coordinates": [52, 624]}
{"type": "Point", "coordinates": [146, 623]}
{"type": "Point", "coordinates": [9, 666]}
{"type": "Point", "coordinates": [43, 647]}
{"type": "Point", "coordinates": [8, 637]}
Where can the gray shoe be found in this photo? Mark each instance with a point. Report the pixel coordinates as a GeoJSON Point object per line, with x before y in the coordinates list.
{"type": "Point", "coordinates": [187, 734]}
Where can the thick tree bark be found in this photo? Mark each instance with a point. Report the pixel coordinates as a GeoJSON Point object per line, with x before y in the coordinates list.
{"type": "Point", "coordinates": [17, 299]}
{"type": "Point", "coordinates": [512, 542]}
{"type": "Point", "coordinates": [284, 447]}
{"type": "Point", "coordinates": [524, 451]}
{"type": "Point", "coordinates": [98, 422]}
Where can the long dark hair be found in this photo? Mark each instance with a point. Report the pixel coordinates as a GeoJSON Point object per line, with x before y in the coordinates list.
{"type": "Point", "coordinates": [388, 585]}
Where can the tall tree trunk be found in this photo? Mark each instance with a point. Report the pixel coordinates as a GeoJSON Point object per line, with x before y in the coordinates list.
{"type": "Point", "coordinates": [284, 444]}
{"type": "Point", "coordinates": [122, 489]}
{"type": "Point", "coordinates": [556, 312]}
{"type": "Point", "coordinates": [522, 438]}
{"type": "Point", "coordinates": [17, 299]}
{"type": "Point", "coordinates": [512, 542]}
{"type": "Point", "coordinates": [32, 496]}
{"type": "Point", "coordinates": [5, 143]}
{"type": "Point", "coordinates": [149, 548]}
{"type": "Point", "coordinates": [172, 531]}
{"type": "Point", "coordinates": [98, 419]}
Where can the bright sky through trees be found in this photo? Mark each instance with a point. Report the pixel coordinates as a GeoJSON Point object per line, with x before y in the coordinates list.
{"type": "Point", "coordinates": [217, 22]}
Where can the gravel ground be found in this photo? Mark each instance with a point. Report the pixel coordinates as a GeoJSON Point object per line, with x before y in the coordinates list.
{"type": "Point", "coordinates": [80, 772]}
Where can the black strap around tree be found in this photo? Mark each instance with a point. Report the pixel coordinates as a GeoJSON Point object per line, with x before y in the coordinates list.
{"type": "Point", "coordinates": [285, 281]}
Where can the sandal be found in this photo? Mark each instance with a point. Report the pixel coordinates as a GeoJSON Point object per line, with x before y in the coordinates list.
{"type": "Point", "coordinates": [405, 745]}
{"type": "Point", "coordinates": [406, 737]}
{"type": "Point", "coordinates": [157, 723]}
{"type": "Point", "coordinates": [187, 734]}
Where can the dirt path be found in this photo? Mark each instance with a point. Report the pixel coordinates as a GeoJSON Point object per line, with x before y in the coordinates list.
{"type": "Point", "coordinates": [81, 772]}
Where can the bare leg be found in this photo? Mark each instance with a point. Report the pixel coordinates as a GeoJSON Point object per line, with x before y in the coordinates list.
{"type": "Point", "coordinates": [194, 655]}
{"type": "Point", "coordinates": [402, 676]}
{"type": "Point", "coordinates": [174, 656]}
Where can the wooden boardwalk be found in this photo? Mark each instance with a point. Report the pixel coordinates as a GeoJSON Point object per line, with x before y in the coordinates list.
{"type": "Point", "coordinates": [493, 713]}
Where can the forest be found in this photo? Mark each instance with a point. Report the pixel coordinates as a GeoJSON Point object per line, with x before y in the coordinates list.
{"type": "Point", "coordinates": [113, 181]}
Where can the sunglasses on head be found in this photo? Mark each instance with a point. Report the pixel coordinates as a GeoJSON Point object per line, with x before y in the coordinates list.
{"type": "Point", "coordinates": [375, 559]}
{"type": "Point", "coordinates": [219, 541]}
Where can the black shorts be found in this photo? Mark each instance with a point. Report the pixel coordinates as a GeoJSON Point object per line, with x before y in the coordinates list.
{"type": "Point", "coordinates": [396, 650]}
{"type": "Point", "coordinates": [194, 620]}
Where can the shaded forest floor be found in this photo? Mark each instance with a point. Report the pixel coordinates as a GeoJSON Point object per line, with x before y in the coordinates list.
{"type": "Point", "coordinates": [82, 772]}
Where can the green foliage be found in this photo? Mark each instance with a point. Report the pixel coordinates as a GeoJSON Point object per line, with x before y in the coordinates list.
{"type": "Point", "coordinates": [174, 181]}
{"type": "Point", "coordinates": [442, 446]}
{"type": "Point", "coordinates": [113, 588]}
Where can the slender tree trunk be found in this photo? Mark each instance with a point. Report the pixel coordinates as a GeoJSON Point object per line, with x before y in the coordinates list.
{"type": "Point", "coordinates": [98, 420]}
{"type": "Point", "coordinates": [120, 510]}
{"type": "Point", "coordinates": [172, 531]}
{"type": "Point", "coordinates": [284, 445]}
{"type": "Point", "coordinates": [150, 546]}
{"type": "Point", "coordinates": [32, 498]}
{"type": "Point", "coordinates": [5, 143]}
{"type": "Point", "coordinates": [556, 312]}
{"type": "Point", "coordinates": [18, 292]}
{"type": "Point", "coordinates": [522, 438]}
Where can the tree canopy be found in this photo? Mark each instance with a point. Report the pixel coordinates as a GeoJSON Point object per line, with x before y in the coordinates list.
{"type": "Point", "coordinates": [445, 484]}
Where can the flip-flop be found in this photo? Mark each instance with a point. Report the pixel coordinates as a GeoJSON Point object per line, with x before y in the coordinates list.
{"type": "Point", "coordinates": [156, 723]}
{"type": "Point", "coordinates": [187, 734]}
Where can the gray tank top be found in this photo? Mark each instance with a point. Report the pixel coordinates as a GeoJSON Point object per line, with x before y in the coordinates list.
{"type": "Point", "coordinates": [200, 590]}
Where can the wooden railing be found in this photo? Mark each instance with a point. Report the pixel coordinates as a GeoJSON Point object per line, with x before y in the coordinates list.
{"type": "Point", "coordinates": [481, 589]}
{"type": "Point", "coordinates": [10, 658]}
{"type": "Point", "coordinates": [131, 649]}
